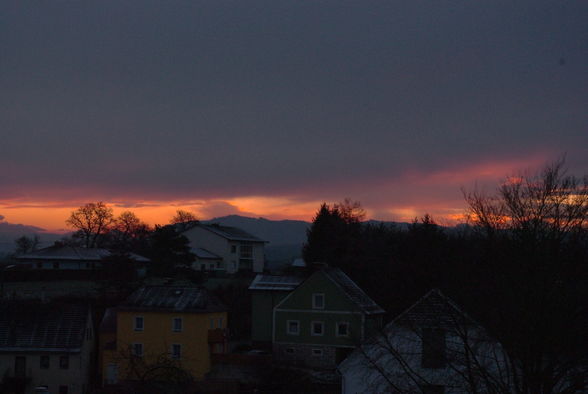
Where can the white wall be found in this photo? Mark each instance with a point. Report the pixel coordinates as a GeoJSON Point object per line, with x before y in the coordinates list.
{"type": "Point", "coordinates": [202, 238]}
{"type": "Point", "coordinates": [363, 371]}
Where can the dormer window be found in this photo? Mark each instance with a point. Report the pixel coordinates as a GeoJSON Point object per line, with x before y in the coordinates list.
{"type": "Point", "coordinates": [318, 301]}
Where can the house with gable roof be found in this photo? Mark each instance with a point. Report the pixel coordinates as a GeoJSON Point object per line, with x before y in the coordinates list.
{"type": "Point", "coordinates": [61, 257]}
{"type": "Point", "coordinates": [45, 346]}
{"type": "Point", "coordinates": [321, 321]}
{"type": "Point", "coordinates": [433, 347]}
{"type": "Point", "coordinates": [184, 325]}
{"type": "Point", "coordinates": [225, 248]}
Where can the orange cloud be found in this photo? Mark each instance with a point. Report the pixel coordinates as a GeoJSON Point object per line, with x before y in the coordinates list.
{"type": "Point", "coordinates": [400, 198]}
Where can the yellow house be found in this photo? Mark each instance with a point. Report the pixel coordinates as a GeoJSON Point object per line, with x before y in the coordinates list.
{"type": "Point", "coordinates": [162, 326]}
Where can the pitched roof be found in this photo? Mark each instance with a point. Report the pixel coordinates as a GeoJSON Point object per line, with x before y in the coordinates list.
{"type": "Point", "coordinates": [67, 252]}
{"type": "Point", "coordinates": [231, 233]}
{"type": "Point", "coordinates": [434, 309]}
{"type": "Point", "coordinates": [275, 282]}
{"type": "Point", "coordinates": [352, 290]}
{"type": "Point", "coordinates": [27, 326]}
{"type": "Point", "coordinates": [173, 299]}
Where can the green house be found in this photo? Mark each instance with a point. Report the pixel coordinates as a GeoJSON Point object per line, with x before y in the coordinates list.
{"type": "Point", "coordinates": [266, 292]}
{"type": "Point", "coordinates": [323, 319]}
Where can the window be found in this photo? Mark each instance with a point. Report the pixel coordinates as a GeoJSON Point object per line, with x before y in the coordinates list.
{"type": "Point", "coordinates": [138, 349]}
{"type": "Point", "coordinates": [342, 329]}
{"type": "Point", "coordinates": [212, 266]}
{"type": "Point", "coordinates": [220, 322]}
{"type": "Point", "coordinates": [246, 251]}
{"type": "Point", "coordinates": [317, 352]}
{"type": "Point", "coordinates": [88, 333]}
{"type": "Point", "coordinates": [56, 265]}
{"type": "Point", "coordinates": [433, 348]}
{"type": "Point", "coordinates": [233, 248]}
{"type": "Point", "coordinates": [177, 324]}
{"type": "Point", "coordinates": [211, 323]}
{"type": "Point", "coordinates": [176, 351]}
{"type": "Point", "coordinates": [139, 323]}
{"type": "Point", "coordinates": [44, 362]}
{"type": "Point", "coordinates": [317, 328]}
{"type": "Point", "coordinates": [318, 301]}
{"type": "Point", "coordinates": [64, 362]}
{"type": "Point", "coordinates": [39, 265]}
{"type": "Point", "coordinates": [63, 389]}
{"type": "Point", "coordinates": [293, 327]}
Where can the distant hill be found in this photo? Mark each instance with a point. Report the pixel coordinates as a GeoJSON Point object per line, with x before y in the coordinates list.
{"type": "Point", "coordinates": [9, 232]}
{"type": "Point", "coordinates": [277, 232]}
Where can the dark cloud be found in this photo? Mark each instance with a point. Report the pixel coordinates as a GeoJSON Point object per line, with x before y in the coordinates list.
{"type": "Point", "coordinates": [150, 100]}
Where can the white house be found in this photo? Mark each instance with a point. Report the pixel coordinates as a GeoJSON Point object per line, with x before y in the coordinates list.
{"type": "Point", "coordinates": [46, 346]}
{"type": "Point", "coordinates": [224, 248]}
{"type": "Point", "coordinates": [433, 348]}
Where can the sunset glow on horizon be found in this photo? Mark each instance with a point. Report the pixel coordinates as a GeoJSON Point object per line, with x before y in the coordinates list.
{"type": "Point", "coordinates": [436, 193]}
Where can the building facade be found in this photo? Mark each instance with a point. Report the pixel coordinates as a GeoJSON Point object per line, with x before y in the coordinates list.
{"type": "Point", "coordinates": [323, 319]}
{"type": "Point", "coordinates": [45, 346]}
{"type": "Point", "coordinates": [433, 347]}
{"type": "Point", "coordinates": [180, 326]}
{"type": "Point", "coordinates": [232, 249]}
{"type": "Point", "coordinates": [267, 291]}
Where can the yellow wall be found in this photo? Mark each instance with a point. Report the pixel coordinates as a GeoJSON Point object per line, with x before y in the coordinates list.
{"type": "Point", "coordinates": [158, 336]}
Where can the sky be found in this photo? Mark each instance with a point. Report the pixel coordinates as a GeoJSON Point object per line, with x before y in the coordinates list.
{"type": "Point", "coordinates": [268, 108]}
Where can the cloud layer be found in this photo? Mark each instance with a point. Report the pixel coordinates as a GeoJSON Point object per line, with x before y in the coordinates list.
{"type": "Point", "coordinates": [222, 104]}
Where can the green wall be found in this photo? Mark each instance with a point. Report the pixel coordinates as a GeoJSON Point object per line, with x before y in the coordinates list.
{"type": "Point", "coordinates": [263, 303]}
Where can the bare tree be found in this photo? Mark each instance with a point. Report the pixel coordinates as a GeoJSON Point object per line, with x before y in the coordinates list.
{"type": "Point", "coordinates": [432, 347]}
{"type": "Point", "coordinates": [26, 244]}
{"type": "Point", "coordinates": [182, 216]}
{"type": "Point", "coordinates": [532, 265]}
{"type": "Point", "coordinates": [92, 220]}
{"type": "Point", "coordinates": [151, 373]}
{"type": "Point", "coordinates": [184, 220]}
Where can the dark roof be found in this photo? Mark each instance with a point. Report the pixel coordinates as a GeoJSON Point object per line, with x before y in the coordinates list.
{"type": "Point", "coordinates": [352, 290]}
{"type": "Point", "coordinates": [27, 326]}
{"type": "Point", "coordinates": [66, 252]}
{"type": "Point", "coordinates": [231, 233]}
{"type": "Point", "coordinates": [275, 282]}
{"type": "Point", "coordinates": [204, 254]}
{"type": "Point", "coordinates": [173, 299]}
{"type": "Point", "coordinates": [434, 309]}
